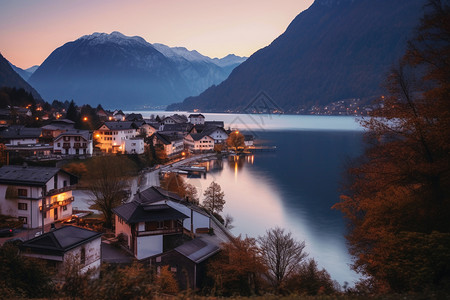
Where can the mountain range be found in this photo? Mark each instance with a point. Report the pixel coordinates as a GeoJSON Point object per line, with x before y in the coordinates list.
{"type": "Point", "coordinates": [128, 72]}
{"type": "Point", "coordinates": [10, 78]}
{"type": "Point", "coordinates": [334, 50]}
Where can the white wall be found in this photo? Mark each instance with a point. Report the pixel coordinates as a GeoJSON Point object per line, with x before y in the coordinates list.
{"type": "Point", "coordinates": [149, 245]}
{"type": "Point", "coordinates": [199, 220]}
{"type": "Point", "coordinates": [92, 254]}
{"type": "Point", "coordinates": [16, 142]}
{"type": "Point", "coordinates": [134, 146]}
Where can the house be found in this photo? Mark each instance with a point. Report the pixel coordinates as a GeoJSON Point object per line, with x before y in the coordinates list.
{"type": "Point", "coordinates": [73, 142]}
{"type": "Point", "coordinates": [179, 128]}
{"type": "Point", "coordinates": [188, 261]}
{"type": "Point", "coordinates": [175, 119]}
{"type": "Point", "coordinates": [134, 117]}
{"type": "Point", "coordinates": [111, 136]}
{"type": "Point", "coordinates": [196, 119]}
{"type": "Point", "coordinates": [66, 245]}
{"type": "Point", "coordinates": [57, 127]}
{"type": "Point", "coordinates": [146, 128]}
{"type": "Point", "coordinates": [20, 135]}
{"type": "Point", "coordinates": [248, 140]}
{"type": "Point", "coordinates": [134, 146]}
{"type": "Point", "coordinates": [219, 134]}
{"type": "Point", "coordinates": [23, 190]}
{"type": "Point", "coordinates": [118, 115]}
{"type": "Point", "coordinates": [155, 218]}
{"type": "Point", "coordinates": [172, 144]}
{"type": "Point", "coordinates": [199, 142]}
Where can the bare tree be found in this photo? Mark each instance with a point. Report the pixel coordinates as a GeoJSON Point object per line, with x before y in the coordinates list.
{"type": "Point", "coordinates": [214, 201]}
{"type": "Point", "coordinates": [108, 182]}
{"type": "Point", "coordinates": [282, 254]}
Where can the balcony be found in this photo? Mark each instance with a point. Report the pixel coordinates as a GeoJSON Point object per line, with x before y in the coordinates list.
{"type": "Point", "coordinates": [160, 231]}
{"type": "Point", "coordinates": [58, 204]}
{"type": "Point", "coordinates": [61, 190]}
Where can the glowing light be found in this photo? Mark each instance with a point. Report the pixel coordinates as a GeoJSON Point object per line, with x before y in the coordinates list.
{"type": "Point", "coordinates": [235, 171]}
{"type": "Point", "coordinates": [110, 118]}
{"type": "Point", "coordinates": [85, 119]}
{"type": "Point", "coordinates": [97, 135]}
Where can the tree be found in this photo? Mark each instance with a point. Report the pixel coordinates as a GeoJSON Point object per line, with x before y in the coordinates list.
{"type": "Point", "coordinates": [214, 198]}
{"type": "Point", "coordinates": [175, 183]}
{"type": "Point", "coordinates": [237, 269]}
{"type": "Point", "coordinates": [236, 140]}
{"type": "Point", "coordinates": [308, 279]}
{"type": "Point", "coordinates": [108, 182]}
{"type": "Point", "coordinates": [166, 282]}
{"type": "Point", "coordinates": [72, 112]}
{"type": "Point", "coordinates": [399, 190]}
{"type": "Point", "coordinates": [282, 255]}
{"type": "Point", "coordinates": [3, 155]}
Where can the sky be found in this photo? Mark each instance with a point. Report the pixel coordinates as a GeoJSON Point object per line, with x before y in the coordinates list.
{"type": "Point", "coordinates": [31, 29]}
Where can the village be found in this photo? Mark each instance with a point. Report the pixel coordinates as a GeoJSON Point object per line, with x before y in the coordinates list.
{"type": "Point", "coordinates": [156, 227]}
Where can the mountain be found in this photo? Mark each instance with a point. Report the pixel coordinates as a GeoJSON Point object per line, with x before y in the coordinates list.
{"type": "Point", "coordinates": [23, 73]}
{"type": "Point", "coordinates": [336, 49]}
{"type": "Point", "coordinates": [199, 71]}
{"type": "Point", "coordinates": [9, 78]}
{"type": "Point", "coordinates": [121, 71]}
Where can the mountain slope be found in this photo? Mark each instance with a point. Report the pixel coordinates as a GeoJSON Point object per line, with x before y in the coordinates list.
{"type": "Point", "coordinates": [23, 73]}
{"type": "Point", "coordinates": [199, 71]}
{"type": "Point", "coordinates": [334, 50]}
{"type": "Point", "coordinates": [110, 69]}
{"type": "Point", "coordinates": [9, 78]}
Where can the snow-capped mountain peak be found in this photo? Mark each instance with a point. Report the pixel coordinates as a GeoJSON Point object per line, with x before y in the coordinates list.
{"type": "Point", "coordinates": [114, 37]}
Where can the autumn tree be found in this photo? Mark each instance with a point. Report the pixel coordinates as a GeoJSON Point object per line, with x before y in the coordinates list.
{"type": "Point", "coordinates": [173, 182]}
{"type": "Point", "coordinates": [165, 281]}
{"type": "Point", "coordinates": [282, 255]}
{"type": "Point", "coordinates": [236, 140]}
{"type": "Point", "coordinates": [237, 269]}
{"type": "Point", "coordinates": [108, 183]}
{"type": "Point", "coordinates": [214, 198]}
{"type": "Point", "coordinates": [399, 190]}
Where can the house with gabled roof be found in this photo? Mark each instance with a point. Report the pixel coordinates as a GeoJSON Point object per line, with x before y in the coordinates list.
{"type": "Point", "coordinates": [153, 217]}
{"type": "Point", "coordinates": [73, 142]}
{"type": "Point", "coordinates": [111, 136]}
{"type": "Point", "coordinates": [20, 135]}
{"type": "Point", "coordinates": [174, 119]}
{"type": "Point", "coordinates": [36, 195]}
{"type": "Point", "coordinates": [66, 245]}
{"type": "Point", "coordinates": [172, 144]}
{"type": "Point", "coordinates": [199, 142]}
{"type": "Point", "coordinates": [196, 119]}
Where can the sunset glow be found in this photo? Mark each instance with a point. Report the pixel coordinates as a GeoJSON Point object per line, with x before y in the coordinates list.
{"type": "Point", "coordinates": [31, 30]}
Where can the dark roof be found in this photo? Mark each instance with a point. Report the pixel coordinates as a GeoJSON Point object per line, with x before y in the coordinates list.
{"type": "Point", "coordinates": [210, 129]}
{"type": "Point", "coordinates": [60, 240]}
{"type": "Point", "coordinates": [83, 133]}
{"type": "Point", "coordinates": [63, 121]}
{"type": "Point", "coordinates": [134, 212]}
{"type": "Point", "coordinates": [180, 127]}
{"type": "Point", "coordinates": [214, 123]}
{"type": "Point", "coordinates": [35, 176]}
{"type": "Point", "coordinates": [197, 250]}
{"type": "Point", "coordinates": [155, 194]}
{"type": "Point", "coordinates": [196, 116]}
{"type": "Point", "coordinates": [248, 137]}
{"type": "Point", "coordinates": [166, 139]}
{"type": "Point", "coordinates": [197, 136]}
{"type": "Point", "coordinates": [177, 118]}
{"type": "Point", "coordinates": [120, 125]}
{"type": "Point", "coordinates": [120, 112]}
{"type": "Point", "coordinates": [134, 117]}
{"type": "Point", "coordinates": [20, 132]}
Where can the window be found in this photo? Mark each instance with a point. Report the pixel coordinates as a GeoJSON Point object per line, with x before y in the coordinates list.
{"type": "Point", "coordinates": [64, 207]}
{"type": "Point", "coordinates": [22, 192]}
{"type": "Point", "coordinates": [23, 206]}
{"type": "Point", "coordinates": [77, 138]}
{"type": "Point", "coordinates": [59, 145]}
{"type": "Point", "coordinates": [23, 219]}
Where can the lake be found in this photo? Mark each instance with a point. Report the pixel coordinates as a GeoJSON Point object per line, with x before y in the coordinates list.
{"type": "Point", "coordinates": [293, 187]}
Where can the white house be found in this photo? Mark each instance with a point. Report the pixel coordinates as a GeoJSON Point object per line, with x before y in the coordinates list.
{"type": "Point", "coordinates": [217, 133]}
{"type": "Point", "coordinates": [174, 119]}
{"type": "Point", "coordinates": [66, 245]}
{"type": "Point", "coordinates": [134, 146]}
{"type": "Point", "coordinates": [112, 135]}
{"type": "Point", "coordinates": [16, 135]}
{"type": "Point", "coordinates": [152, 217]}
{"type": "Point", "coordinates": [73, 142]}
{"type": "Point", "coordinates": [196, 119]}
{"type": "Point", "coordinates": [23, 188]}
{"type": "Point", "coordinates": [199, 142]}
